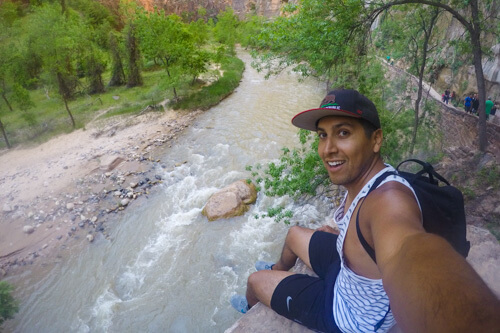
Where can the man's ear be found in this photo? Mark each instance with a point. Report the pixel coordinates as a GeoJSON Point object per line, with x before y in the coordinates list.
{"type": "Point", "coordinates": [377, 139]}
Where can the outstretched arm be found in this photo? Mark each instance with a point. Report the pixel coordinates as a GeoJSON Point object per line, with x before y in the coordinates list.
{"type": "Point", "coordinates": [430, 286]}
{"type": "Point", "coordinates": [433, 289]}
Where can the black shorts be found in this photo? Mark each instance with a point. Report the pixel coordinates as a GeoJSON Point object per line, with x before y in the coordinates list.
{"type": "Point", "coordinates": [306, 299]}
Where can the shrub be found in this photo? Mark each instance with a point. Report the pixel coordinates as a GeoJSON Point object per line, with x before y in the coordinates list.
{"type": "Point", "coordinates": [8, 305]}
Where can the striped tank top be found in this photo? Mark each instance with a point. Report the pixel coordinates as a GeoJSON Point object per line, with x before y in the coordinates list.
{"type": "Point", "coordinates": [360, 303]}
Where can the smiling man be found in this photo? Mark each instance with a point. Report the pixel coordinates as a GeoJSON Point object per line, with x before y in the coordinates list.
{"type": "Point", "coordinates": [417, 280]}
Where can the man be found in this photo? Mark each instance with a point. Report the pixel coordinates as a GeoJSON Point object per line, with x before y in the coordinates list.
{"type": "Point", "coordinates": [446, 96]}
{"type": "Point", "coordinates": [488, 105]}
{"type": "Point", "coordinates": [468, 103]}
{"type": "Point", "coordinates": [475, 104]}
{"type": "Point", "coordinates": [418, 279]}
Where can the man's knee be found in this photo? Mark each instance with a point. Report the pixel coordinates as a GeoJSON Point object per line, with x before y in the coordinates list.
{"type": "Point", "coordinates": [299, 235]}
{"type": "Point", "coordinates": [254, 280]}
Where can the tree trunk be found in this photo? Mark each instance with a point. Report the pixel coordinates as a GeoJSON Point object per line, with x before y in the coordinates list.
{"type": "Point", "coordinates": [134, 78]}
{"type": "Point", "coordinates": [427, 37]}
{"type": "Point", "coordinates": [117, 72]}
{"type": "Point", "coordinates": [478, 66]}
{"type": "Point", "coordinates": [474, 28]}
{"type": "Point", "coordinates": [69, 112]}
{"type": "Point", "coordinates": [7, 101]}
{"type": "Point", "coordinates": [4, 135]}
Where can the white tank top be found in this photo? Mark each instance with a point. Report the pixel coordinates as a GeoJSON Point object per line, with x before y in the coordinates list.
{"type": "Point", "coordinates": [360, 303]}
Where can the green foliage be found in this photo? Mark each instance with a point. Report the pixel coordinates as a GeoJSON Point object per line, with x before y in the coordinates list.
{"type": "Point", "coordinates": [200, 32]}
{"type": "Point", "coordinates": [488, 176]}
{"type": "Point", "coordinates": [134, 78]}
{"type": "Point", "coordinates": [299, 174]}
{"type": "Point", "coordinates": [250, 29]}
{"type": "Point", "coordinates": [212, 94]}
{"type": "Point", "coordinates": [225, 30]}
{"type": "Point", "coordinates": [8, 305]}
{"type": "Point", "coordinates": [317, 40]}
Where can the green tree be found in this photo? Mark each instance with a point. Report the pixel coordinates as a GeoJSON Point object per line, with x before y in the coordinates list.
{"type": "Point", "coordinates": [58, 40]}
{"type": "Point", "coordinates": [411, 31]}
{"type": "Point", "coordinates": [470, 14]}
{"type": "Point", "coordinates": [8, 305]}
{"type": "Point", "coordinates": [95, 64]}
{"type": "Point", "coordinates": [226, 28]}
{"type": "Point", "coordinates": [165, 39]}
{"type": "Point", "coordinates": [196, 63]}
{"type": "Point", "coordinates": [12, 91]}
{"type": "Point", "coordinates": [134, 77]}
{"type": "Point", "coordinates": [199, 29]}
{"type": "Point", "coordinates": [117, 72]}
{"type": "Point", "coordinates": [317, 39]}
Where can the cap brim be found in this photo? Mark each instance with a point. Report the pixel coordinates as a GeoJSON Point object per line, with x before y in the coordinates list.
{"type": "Point", "coordinates": [309, 119]}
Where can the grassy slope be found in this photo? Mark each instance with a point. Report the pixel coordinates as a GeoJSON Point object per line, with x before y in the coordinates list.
{"type": "Point", "coordinates": [49, 118]}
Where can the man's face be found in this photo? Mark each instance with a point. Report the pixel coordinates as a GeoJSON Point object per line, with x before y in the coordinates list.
{"type": "Point", "coordinates": [347, 153]}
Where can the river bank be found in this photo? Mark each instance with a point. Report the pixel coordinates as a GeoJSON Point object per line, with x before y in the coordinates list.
{"type": "Point", "coordinates": [72, 187]}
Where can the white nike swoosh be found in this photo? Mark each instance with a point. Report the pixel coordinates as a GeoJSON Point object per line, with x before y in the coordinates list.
{"type": "Point", "coordinates": [288, 299]}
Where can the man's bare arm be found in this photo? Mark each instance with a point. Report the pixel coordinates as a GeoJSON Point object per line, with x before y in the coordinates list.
{"type": "Point", "coordinates": [431, 287]}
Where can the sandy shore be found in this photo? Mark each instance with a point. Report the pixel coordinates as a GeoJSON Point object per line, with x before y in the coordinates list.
{"type": "Point", "coordinates": [69, 188]}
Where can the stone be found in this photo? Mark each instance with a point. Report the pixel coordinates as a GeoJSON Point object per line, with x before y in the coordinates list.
{"type": "Point", "coordinates": [224, 205]}
{"type": "Point", "coordinates": [246, 191]}
{"type": "Point", "coordinates": [28, 229]}
{"type": "Point", "coordinates": [70, 206]}
{"type": "Point", "coordinates": [90, 238]}
{"type": "Point", "coordinates": [124, 202]}
{"type": "Point", "coordinates": [233, 200]}
{"type": "Point", "coordinates": [94, 219]}
{"type": "Point", "coordinates": [133, 185]}
{"type": "Point", "coordinates": [7, 208]}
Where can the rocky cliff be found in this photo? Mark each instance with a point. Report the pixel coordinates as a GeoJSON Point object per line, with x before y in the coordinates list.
{"type": "Point", "coordinates": [268, 8]}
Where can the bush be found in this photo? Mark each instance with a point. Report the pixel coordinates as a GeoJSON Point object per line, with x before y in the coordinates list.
{"type": "Point", "coordinates": [8, 305]}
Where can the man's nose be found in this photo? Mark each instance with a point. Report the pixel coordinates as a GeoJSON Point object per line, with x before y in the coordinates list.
{"type": "Point", "coordinates": [330, 146]}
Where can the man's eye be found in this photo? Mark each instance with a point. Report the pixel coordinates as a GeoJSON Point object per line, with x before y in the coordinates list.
{"type": "Point", "coordinates": [322, 135]}
{"type": "Point", "coordinates": [343, 133]}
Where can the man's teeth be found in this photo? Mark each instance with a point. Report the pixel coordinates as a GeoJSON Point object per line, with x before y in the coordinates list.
{"type": "Point", "coordinates": [335, 163]}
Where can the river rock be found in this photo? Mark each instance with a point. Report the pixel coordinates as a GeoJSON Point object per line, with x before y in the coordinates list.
{"type": "Point", "coordinates": [28, 229]}
{"type": "Point", "coordinates": [70, 206]}
{"type": "Point", "coordinates": [90, 238]}
{"type": "Point", "coordinates": [124, 202]}
{"type": "Point", "coordinates": [7, 208]}
{"type": "Point", "coordinates": [231, 201]}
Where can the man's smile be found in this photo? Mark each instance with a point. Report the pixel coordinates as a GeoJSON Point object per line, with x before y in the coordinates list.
{"type": "Point", "coordinates": [335, 163]}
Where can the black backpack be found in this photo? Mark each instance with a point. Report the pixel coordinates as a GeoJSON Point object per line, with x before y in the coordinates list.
{"type": "Point", "coordinates": [442, 206]}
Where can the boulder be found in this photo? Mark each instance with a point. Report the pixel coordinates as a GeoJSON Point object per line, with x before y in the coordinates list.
{"type": "Point", "coordinates": [28, 229]}
{"type": "Point", "coordinates": [231, 201]}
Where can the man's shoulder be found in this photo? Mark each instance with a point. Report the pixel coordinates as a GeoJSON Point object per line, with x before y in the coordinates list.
{"type": "Point", "coordinates": [391, 193]}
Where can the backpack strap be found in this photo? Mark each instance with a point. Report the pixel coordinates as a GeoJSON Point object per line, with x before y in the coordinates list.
{"type": "Point", "coordinates": [427, 168]}
{"type": "Point", "coordinates": [362, 239]}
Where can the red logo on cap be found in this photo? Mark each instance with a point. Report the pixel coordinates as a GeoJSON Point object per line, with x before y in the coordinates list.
{"type": "Point", "coordinates": [360, 112]}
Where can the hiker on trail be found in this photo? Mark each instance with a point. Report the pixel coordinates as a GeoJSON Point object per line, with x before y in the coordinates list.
{"type": "Point", "coordinates": [468, 103]}
{"type": "Point", "coordinates": [475, 104]}
{"type": "Point", "coordinates": [446, 97]}
{"type": "Point", "coordinates": [488, 105]}
{"type": "Point", "coordinates": [418, 279]}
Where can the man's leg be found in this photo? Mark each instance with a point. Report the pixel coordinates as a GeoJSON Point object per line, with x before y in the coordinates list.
{"type": "Point", "coordinates": [261, 284]}
{"type": "Point", "coordinates": [296, 245]}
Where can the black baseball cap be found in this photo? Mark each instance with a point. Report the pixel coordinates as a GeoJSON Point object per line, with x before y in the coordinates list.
{"type": "Point", "coordinates": [340, 102]}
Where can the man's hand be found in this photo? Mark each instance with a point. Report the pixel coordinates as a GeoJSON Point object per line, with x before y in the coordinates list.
{"type": "Point", "coordinates": [327, 228]}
